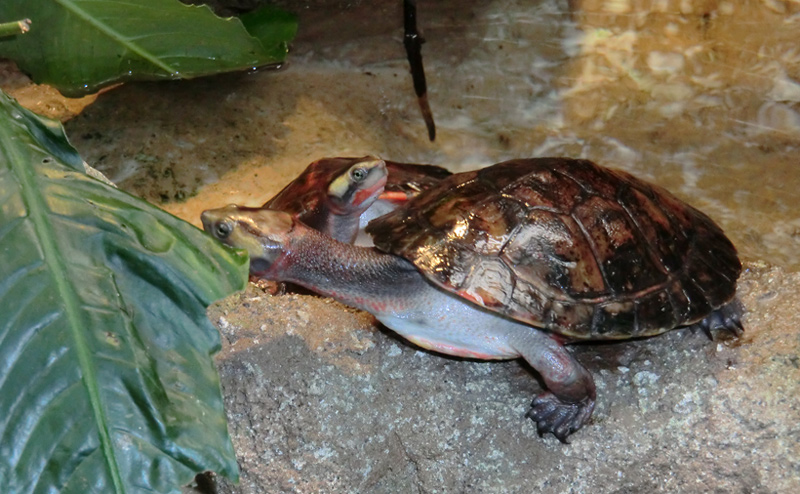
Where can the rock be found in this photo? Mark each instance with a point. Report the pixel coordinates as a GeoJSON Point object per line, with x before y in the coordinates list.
{"type": "Point", "coordinates": [331, 403]}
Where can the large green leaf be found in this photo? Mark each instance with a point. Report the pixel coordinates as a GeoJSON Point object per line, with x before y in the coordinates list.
{"type": "Point", "coordinates": [79, 46]}
{"type": "Point", "coordinates": [106, 378]}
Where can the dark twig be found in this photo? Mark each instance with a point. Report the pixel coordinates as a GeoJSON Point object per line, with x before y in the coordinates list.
{"type": "Point", "coordinates": [413, 44]}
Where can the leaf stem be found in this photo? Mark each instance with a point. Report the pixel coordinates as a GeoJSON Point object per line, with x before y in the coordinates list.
{"type": "Point", "coordinates": [15, 27]}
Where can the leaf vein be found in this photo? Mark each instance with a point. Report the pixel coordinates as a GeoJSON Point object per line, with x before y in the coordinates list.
{"type": "Point", "coordinates": [66, 291]}
{"type": "Point", "coordinates": [112, 33]}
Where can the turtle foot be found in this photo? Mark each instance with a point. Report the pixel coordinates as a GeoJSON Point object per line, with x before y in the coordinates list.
{"type": "Point", "coordinates": [728, 317]}
{"type": "Point", "coordinates": [551, 414]}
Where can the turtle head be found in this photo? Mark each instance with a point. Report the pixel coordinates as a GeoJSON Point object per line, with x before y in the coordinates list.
{"type": "Point", "coordinates": [358, 186]}
{"type": "Point", "coordinates": [263, 233]}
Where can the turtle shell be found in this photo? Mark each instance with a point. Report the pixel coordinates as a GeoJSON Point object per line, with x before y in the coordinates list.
{"type": "Point", "coordinates": [567, 246]}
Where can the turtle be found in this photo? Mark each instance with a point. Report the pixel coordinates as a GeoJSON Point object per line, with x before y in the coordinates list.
{"type": "Point", "coordinates": [517, 259]}
{"type": "Point", "coordinates": [331, 194]}
{"type": "Point", "coordinates": [339, 196]}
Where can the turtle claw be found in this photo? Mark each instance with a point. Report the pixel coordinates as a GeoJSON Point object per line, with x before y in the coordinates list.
{"type": "Point", "coordinates": [551, 414]}
{"type": "Point", "coordinates": [728, 317]}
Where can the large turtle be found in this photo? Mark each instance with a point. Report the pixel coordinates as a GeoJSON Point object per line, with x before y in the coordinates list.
{"type": "Point", "coordinates": [339, 196]}
{"type": "Point", "coordinates": [512, 261]}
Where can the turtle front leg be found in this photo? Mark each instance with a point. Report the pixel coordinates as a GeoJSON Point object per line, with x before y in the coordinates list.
{"type": "Point", "coordinates": [569, 400]}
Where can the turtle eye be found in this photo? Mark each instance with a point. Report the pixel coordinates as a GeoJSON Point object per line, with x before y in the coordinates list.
{"type": "Point", "coordinates": [223, 229]}
{"type": "Point", "coordinates": [359, 174]}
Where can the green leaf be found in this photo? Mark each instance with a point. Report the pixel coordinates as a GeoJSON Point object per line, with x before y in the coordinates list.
{"type": "Point", "coordinates": [271, 25]}
{"type": "Point", "coordinates": [80, 46]}
{"type": "Point", "coordinates": [106, 378]}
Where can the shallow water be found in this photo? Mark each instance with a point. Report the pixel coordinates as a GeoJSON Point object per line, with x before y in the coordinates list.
{"type": "Point", "coordinates": [701, 97]}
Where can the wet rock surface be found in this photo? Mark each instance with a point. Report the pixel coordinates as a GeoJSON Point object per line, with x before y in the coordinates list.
{"type": "Point", "coordinates": [321, 400]}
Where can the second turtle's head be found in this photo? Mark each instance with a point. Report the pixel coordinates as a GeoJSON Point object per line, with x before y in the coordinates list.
{"type": "Point", "coordinates": [357, 186]}
{"type": "Point", "coordinates": [263, 233]}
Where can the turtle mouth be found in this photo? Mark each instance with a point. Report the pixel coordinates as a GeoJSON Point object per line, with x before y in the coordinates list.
{"type": "Point", "coordinates": [259, 266]}
{"type": "Point", "coordinates": [365, 195]}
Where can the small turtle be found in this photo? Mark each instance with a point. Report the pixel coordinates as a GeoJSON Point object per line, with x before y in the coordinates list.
{"type": "Point", "coordinates": [339, 196]}
{"type": "Point", "coordinates": [515, 260]}
{"type": "Point", "coordinates": [331, 194]}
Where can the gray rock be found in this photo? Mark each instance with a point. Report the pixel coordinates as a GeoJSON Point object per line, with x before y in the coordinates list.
{"type": "Point", "coordinates": [321, 400]}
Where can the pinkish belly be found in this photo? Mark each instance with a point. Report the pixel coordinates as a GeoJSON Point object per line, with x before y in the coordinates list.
{"type": "Point", "coordinates": [444, 323]}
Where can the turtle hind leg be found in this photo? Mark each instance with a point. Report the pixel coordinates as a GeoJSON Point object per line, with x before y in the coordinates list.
{"type": "Point", "coordinates": [567, 403]}
{"type": "Point", "coordinates": [728, 317]}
